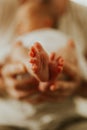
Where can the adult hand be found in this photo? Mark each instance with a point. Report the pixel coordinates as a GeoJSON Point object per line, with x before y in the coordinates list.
{"type": "Point", "coordinates": [63, 88]}
{"type": "Point", "coordinates": [19, 83]}
{"type": "Point", "coordinates": [66, 88]}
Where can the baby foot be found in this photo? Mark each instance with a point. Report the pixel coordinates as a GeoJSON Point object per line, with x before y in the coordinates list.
{"type": "Point", "coordinates": [56, 66]}
{"type": "Point", "coordinates": [39, 61]}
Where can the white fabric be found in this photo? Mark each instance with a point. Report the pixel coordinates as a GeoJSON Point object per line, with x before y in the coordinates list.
{"type": "Point", "coordinates": [74, 24]}
{"type": "Point", "coordinates": [50, 39]}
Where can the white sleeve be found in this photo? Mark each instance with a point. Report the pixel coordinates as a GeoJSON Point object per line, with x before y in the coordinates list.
{"type": "Point", "coordinates": [80, 13]}
{"type": "Point", "coordinates": [74, 24]}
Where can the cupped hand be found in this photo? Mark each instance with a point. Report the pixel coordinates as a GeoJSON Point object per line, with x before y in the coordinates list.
{"type": "Point", "coordinates": [63, 88]}
{"type": "Point", "coordinates": [19, 84]}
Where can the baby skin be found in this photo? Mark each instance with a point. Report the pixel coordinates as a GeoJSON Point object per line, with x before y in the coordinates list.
{"type": "Point", "coordinates": [45, 68]}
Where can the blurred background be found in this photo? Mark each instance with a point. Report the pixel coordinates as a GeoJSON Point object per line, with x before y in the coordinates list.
{"type": "Point", "coordinates": [83, 2]}
{"type": "Point", "coordinates": [67, 121]}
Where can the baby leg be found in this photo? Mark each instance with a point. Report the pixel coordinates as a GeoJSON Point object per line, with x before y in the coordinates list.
{"type": "Point", "coordinates": [55, 68]}
{"type": "Point", "coordinates": [55, 65]}
{"type": "Point", "coordinates": [39, 61]}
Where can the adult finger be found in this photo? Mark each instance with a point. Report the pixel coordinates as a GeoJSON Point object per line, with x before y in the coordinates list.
{"type": "Point", "coordinates": [12, 88]}
{"type": "Point", "coordinates": [13, 69]}
{"type": "Point", "coordinates": [26, 83]}
{"type": "Point", "coordinates": [67, 87]}
{"type": "Point", "coordinates": [71, 70]}
{"type": "Point", "coordinates": [43, 99]}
